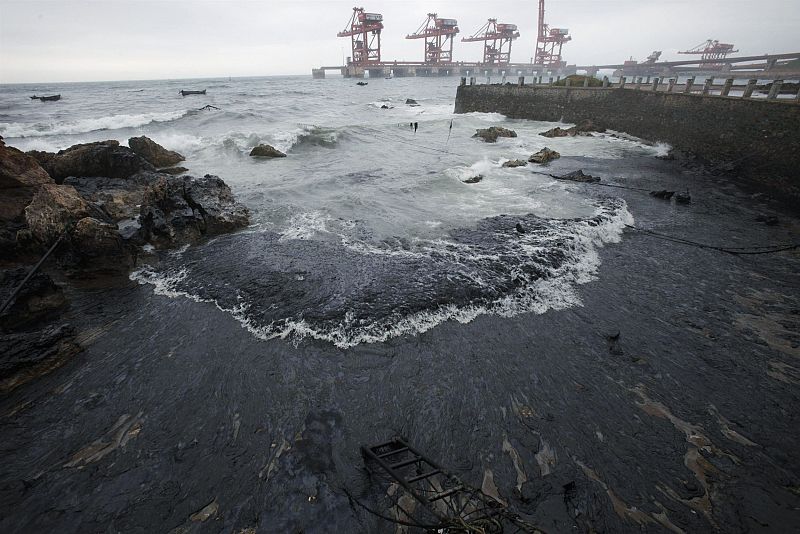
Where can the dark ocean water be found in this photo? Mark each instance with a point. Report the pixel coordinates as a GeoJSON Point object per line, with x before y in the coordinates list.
{"type": "Point", "coordinates": [366, 230]}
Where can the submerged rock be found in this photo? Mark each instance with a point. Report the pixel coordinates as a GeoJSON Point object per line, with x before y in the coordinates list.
{"type": "Point", "coordinates": [411, 102]}
{"type": "Point", "coordinates": [515, 163]}
{"type": "Point", "coordinates": [579, 176]}
{"type": "Point", "coordinates": [103, 158]}
{"type": "Point", "coordinates": [519, 228]}
{"type": "Point", "coordinates": [544, 156]}
{"type": "Point", "coordinates": [491, 134]}
{"type": "Point", "coordinates": [474, 179]}
{"type": "Point", "coordinates": [683, 198]}
{"type": "Point", "coordinates": [153, 152]}
{"type": "Point", "coordinates": [663, 194]}
{"type": "Point", "coordinates": [27, 355]}
{"type": "Point", "coordinates": [266, 151]}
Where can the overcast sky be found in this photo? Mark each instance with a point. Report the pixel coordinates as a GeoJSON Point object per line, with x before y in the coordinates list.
{"type": "Point", "coordinates": [70, 40]}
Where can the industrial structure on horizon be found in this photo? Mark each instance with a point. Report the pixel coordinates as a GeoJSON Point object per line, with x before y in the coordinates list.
{"type": "Point", "coordinates": [438, 34]}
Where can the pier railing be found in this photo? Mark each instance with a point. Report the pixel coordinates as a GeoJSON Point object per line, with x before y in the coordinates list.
{"type": "Point", "coordinates": [730, 87]}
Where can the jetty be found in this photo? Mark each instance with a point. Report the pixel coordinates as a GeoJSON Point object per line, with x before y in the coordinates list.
{"type": "Point", "coordinates": [724, 125]}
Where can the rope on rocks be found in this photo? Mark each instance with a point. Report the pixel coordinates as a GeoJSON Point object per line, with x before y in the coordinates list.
{"type": "Point", "coordinates": [753, 249]}
{"type": "Point", "coordinates": [33, 271]}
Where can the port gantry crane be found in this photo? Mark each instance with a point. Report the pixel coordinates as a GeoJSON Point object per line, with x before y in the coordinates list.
{"type": "Point", "coordinates": [498, 39]}
{"type": "Point", "coordinates": [711, 51]}
{"type": "Point", "coordinates": [549, 42]}
{"type": "Point", "coordinates": [438, 34]}
{"type": "Point", "coordinates": [364, 30]}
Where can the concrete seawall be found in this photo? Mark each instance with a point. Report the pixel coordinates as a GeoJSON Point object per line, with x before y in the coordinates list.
{"type": "Point", "coordinates": [759, 140]}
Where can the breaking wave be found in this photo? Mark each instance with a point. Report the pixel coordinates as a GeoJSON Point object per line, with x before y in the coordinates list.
{"type": "Point", "coordinates": [112, 122]}
{"type": "Point", "coordinates": [353, 290]}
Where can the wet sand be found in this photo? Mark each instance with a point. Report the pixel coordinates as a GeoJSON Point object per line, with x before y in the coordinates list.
{"type": "Point", "coordinates": [175, 417]}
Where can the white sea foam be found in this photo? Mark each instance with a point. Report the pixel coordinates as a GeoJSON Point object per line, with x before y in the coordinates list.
{"type": "Point", "coordinates": [112, 122]}
{"type": "Point", "coordinates": [557, 290]}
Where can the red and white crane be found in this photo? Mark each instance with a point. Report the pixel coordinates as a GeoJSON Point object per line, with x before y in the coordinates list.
{"type": "Point", "coordinates": [711, 51]}
{"type": "Point", "coordinates": [438, 34]}
{"type": "Point", "coordinates": [498, 39]}
{"type": "Point", "coordinates": [364, 30]}
{"type": "Point", "coordinates": [549, 42]}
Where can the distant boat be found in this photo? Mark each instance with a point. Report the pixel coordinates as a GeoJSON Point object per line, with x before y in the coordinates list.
{"type": "Point", "coordinates": [362, 83]}
{"type": "Point", "coordinates": [51, 98]}
{"type": "Point", "coordinates": [184, 92]}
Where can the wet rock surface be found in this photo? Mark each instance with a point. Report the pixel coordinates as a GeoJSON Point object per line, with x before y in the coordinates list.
{"type": "Point", "coordinates": [178, 210]}
{"type": "Point", "coordinates": [103, 158]}
{"type": "Point", "coordinates": [39, 299]}
{"type": "Point", "coordinates": [584, 127]}
{"type": "Point", "coordinates": [154, 153]}
{"type": "Point", "coordinates": [474, 180]}
{"type": "Point", "coordinates": [579, 176]}
{"type": "Point", "coordinates": [544, 156]}
{"type": "Point", "coordinates": [666, 402]}
{"type": "Point", "coordinates": [515, 163]}
{"type": "Point", "coordinates": [266, 151]}
{"type": "Point", "coordinates": [491, 134]}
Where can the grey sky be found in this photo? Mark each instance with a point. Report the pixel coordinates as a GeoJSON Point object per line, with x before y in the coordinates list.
{"type": "Point", "coordinates": [142, 39]}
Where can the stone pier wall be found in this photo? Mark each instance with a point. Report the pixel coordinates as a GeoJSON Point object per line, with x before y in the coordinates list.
{"type": "Point", "coordinates": [758, 139]}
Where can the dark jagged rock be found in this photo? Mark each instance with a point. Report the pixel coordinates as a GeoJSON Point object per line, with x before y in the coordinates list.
{"type": "Point", "coordinates": [663, 194]}
{"type": "Point", "coordinates": [491, 134]}
{"type": "Point", "coordinates": [184, 209]}
{"type": "Point", "coordinates": [118, 198]}
{"type": "Point", "coordinates": [27, 355]}
{"type": "Point", "coordinates": [266, 151]}
{"type": "Point", "coordinates": [519, 228]}
{"type": "Point", "coordinates": [154, 153]}
{"type": "Point", "coordinates": [544, 156]}
{"type": "Point", "coordinates": [385, 107]}
{"type": "Point", "coordinates": [103, 158]}
{"type": "Point", "coordinates": [411, 102]}
{"type": "Point", "coordinates": [97, 248]}
{"type": "Point", "coordinates": [474, 179]}
{"type": "Point", "coordinates": [40, 298]}
{"type": "Point", "coordinates": [556, 132]}
{"type": "Point", "coordinates": [579, 176]}
{"type": "Point", "coordinates": [584, 127]}
{"type": "Point", "coordinates": [362, 83]}
{"type": "Point", "coordinates": [683, 198]}
{"type": "Point", "coordinates": [515, 163]}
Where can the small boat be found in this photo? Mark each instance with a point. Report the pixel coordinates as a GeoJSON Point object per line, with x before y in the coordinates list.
{"type": "Point", "coordinates": [362, 83]}
{"type": "Point", "coordinates": [51, 98]}
{"type": "Point", "coordinates": [183, 92]}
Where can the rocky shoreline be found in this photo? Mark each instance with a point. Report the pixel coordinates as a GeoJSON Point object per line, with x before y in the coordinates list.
{"type": "Point", "coordinates": [97, 209]}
